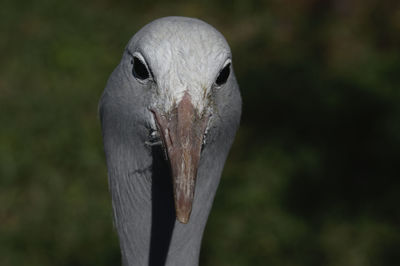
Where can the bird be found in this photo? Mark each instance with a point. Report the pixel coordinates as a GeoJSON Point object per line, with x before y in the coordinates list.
{"type": "Point", "coordinates": [169, 114]}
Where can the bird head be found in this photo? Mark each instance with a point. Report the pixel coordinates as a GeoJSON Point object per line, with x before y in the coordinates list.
{"type": "Point", "coordinates": [171, 74]}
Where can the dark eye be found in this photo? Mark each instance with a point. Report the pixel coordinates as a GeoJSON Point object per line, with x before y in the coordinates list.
{"type": "Point", "coordinates": [139, 69]}
{"type": "Point", "coordinates": [223, 75]}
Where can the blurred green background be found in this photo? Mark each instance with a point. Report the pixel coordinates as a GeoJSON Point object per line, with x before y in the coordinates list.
{"type": "Point", "coordinates": [313, 176]}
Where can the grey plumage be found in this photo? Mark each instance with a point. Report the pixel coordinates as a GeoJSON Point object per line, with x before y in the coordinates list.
{"type": "Point", "coordinates": [184, 56]}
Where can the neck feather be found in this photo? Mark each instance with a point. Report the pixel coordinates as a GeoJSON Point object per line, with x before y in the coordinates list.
{"type": "Point", "coordinates": [144, 214]}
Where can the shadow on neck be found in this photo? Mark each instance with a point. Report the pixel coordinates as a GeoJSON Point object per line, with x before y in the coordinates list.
{"type": "Point", "coordinates": [163, 210]}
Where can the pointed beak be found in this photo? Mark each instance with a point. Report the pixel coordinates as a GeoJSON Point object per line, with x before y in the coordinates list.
{"type": "Point", "coordinates": [182, 132]}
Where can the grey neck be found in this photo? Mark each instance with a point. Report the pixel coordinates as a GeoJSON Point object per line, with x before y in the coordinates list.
{"type": "Point", "coordinates": [144, 214]}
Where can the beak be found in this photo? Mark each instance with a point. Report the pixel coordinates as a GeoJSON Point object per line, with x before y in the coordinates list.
{"type": "Point", "coordinates": [182, 132]}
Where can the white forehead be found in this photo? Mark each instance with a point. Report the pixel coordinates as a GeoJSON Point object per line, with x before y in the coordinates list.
{"type": "Point", "coordinates": [184, 54]}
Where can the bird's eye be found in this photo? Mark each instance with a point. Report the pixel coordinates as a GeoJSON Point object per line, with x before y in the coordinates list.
{"type": "Point", "coordinates": [139, 69]}
{"type": "Point", "coordinates": [223, 75]}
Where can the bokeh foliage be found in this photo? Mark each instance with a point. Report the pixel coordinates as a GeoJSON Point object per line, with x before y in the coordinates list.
{"type": "Point", "coordinates": [312, 179]}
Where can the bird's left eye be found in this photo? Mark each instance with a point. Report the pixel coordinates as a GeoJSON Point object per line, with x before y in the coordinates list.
{"type": "Point", "coordinates": [223, 75]}
{"type": "Point", "coordinates": [139, 69]}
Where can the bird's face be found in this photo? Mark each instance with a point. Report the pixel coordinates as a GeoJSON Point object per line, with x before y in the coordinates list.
{"type": "Point", "coordinates": [179, 68]}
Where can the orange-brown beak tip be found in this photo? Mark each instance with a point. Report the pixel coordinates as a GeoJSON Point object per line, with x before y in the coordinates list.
{"type": "Point", "coordinates": [183, 216]}
{"type": "Point", "coordinates": [182, 220]}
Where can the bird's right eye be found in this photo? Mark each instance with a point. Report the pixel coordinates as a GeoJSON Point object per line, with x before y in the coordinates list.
{"type": "Point", "coordinates": [139, 69]}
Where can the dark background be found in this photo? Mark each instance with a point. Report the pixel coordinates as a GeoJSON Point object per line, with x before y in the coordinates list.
{"type": "Point", "coordinates": [313, 176]}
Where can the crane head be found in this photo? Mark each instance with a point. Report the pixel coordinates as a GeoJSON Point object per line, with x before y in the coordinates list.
{"type": "Point", "coordinates": [175, 68]}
